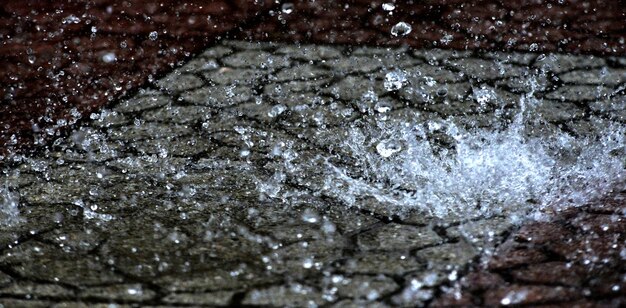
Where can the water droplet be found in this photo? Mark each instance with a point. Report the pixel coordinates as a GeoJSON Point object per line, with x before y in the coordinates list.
{"type": "Point", "coordinates": [31, 59]}
{"type": "Point", "coordinates": [484, 95]}
{"type": "Point", "coordinates": [308, 263]}
{"type": "Point", "coordinates": [153, 35]}
{"type": "Point", "coordinates": [383, 106]}
{"type": "Point", "coordinates": [310, 216]}
{"type": "Point", "coordinates": [514, 298]}
{"type": "Point", "coordinates": [71, 19]}
{"type": "Point", "coordinates": [389, 6]}
{"type": "Point", "coordinates": [387, 148]}
{"type": "Point", "coordinates": [442, 92]}
{"type": "Point", "coordinates": [394, 80]}
{"type": "Point", "coordinates": [446, 39]}
{"type": "Point", "coordinates": [109, 57]}
{"type": "Point", "coordinates": [276, 110]}
{"type": "Point", "coordinates": [401, 29]}
{"type": "Point", "coordinates": [287, 8]}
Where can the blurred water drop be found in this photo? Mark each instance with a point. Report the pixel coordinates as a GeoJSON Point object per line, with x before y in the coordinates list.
{"type": "Point", "coordinates": [109, 57]}
{"type": "Point", "coordinates": [389, 7]}
{"type": "Point", "coordinates": [276, 110]}
{"type": "Point", "coordinates": [394, 80]}
{"type": "Point", "coordinates": [387, 148]}
{"type": "Point", "coordinates": [287, 8]}
{"type": "Point", "coordinates": [401, 29]}
{"type": "Point", "coordinates": [153, 35]}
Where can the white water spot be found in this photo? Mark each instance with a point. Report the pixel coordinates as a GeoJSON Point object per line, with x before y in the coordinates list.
{"type": "Point", "coordinates": [401, 29]}
{"type": "Point", "coordinates": [387, 148]}
{"type": "Point", "coordinates": [109, 57]}
{"type": "Point", "coordinates": [446, 39]}
{"type": "Point", "coordinates": [394, 80]}
{"type": "Point", "coordinates": [9, 203]}
{"type": "Point", "coordinates": [153, 35]}
{"type": "Point", "coordinates": [514, 297]}
{"type": "Point", "coordinates": [276, 110]}
{"type": "Point", "coordinates": [388, 7]}
{"type": "Point", "coordinates": [484, 95]}
{"type": "Point", "coordinates": [71, 19]}
{"type": "Point", "coordinates": [310, 216]}
{"type": "Point", "coordinates": [287, 8]}
{"type": "Point", "coordinates": [383, 106]}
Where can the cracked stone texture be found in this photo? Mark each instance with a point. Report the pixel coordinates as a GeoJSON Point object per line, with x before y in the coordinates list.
{"type": "Point", "coordinates": [161, 199]}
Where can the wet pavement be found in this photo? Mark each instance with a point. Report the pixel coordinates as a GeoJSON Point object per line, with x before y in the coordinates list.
{"type": "Point", "coordinates": [230, 181]}
{"type": "Point", "coordinates": [63, 58]}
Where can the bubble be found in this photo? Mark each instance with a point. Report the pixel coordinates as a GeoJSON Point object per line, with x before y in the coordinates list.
{"type": "Point", "coordinates": [153, 36]}
{"type": "Point", "coordinates": [401, 29]}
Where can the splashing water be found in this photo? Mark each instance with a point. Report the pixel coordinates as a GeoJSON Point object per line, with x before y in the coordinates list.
{"type": "Point", "coordinates": [476, 171]}
{"type": "Point", "coordinates": [9, 212]}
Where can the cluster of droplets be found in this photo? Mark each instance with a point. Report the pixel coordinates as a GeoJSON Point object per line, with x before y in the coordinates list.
{"type": "Point", "coordinates": [9, 202]}
{"type": "Point", "coordinates": [464, 169]}
{"type": "Point", "coordinates": [482, 171]}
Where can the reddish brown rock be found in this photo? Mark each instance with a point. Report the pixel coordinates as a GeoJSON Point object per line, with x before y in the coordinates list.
{"type": "Point", "coordinates": [529, 295]}
{"type": "Point", "coordinates": [562, 273]}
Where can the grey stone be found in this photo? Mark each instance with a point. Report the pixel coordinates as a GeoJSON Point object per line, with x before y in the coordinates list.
{"type": "Point", "coordinates": [301, 72]}
{"type": "Point", "coordinates": [398, 237]}
{"type": "Point", "coordinates": [352, 65]}
{"type": "Point", "coordinates": [199, 65]}
{"type": "Point", "coordinates": [176, 82]}
{"type": "Point", "coordinates": [218, 96]}
{"type": "Point", "coordinates": [487, 229]}
{"type": "Point", "coordinates": [120, 292]}
{"type": "Point", "coordinates": [150, 131]}
{"type": "Point", "coordinates": [366, 287]}
{"type": "Point", "coordinates": [256, 59]}
{"type": "Point", "coordinates": [555, 111]}
{"type": "Point", "coordinates": [604, 76]}
{"type": "Point", "coordinates": [309, 52]}
{"type": "Point", "coordinates": [579, 93]}
{"type": "Point", "coordinates": [35, 290]}
{"type": "Point", "coordinates": [137, 104]}
{"type": "Point", "coordinates": [295, 294]}
{"type": "Point", "coordinates": [485, 69]}
{"type": "Point", "coordinates": [563, 63]}
{"type": "Point", "coordinates": [177, 114]}
{"type": "Point", "coordinates": [215, 52]}
{"type": "Point", "coordinates": [229, 76]}
{"type": "Point", "coordinates": [219, 298]}
{"type": "Point", "coordinates": [447, 255]}
{"type": "Point", "coordinates": [353, 88]}
{"type": "Point", "coordinates": [387, 263]}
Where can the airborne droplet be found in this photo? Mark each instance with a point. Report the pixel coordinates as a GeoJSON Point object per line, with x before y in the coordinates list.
{"type": "Point", "coordinates": [401, 29]}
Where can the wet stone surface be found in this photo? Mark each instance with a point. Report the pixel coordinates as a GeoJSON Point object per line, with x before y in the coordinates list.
{"type": "Point", "coordinates": [216, 186]}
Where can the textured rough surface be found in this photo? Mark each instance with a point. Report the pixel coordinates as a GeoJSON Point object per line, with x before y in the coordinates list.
{"type": "Point", "coordinates": [172, 197]}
